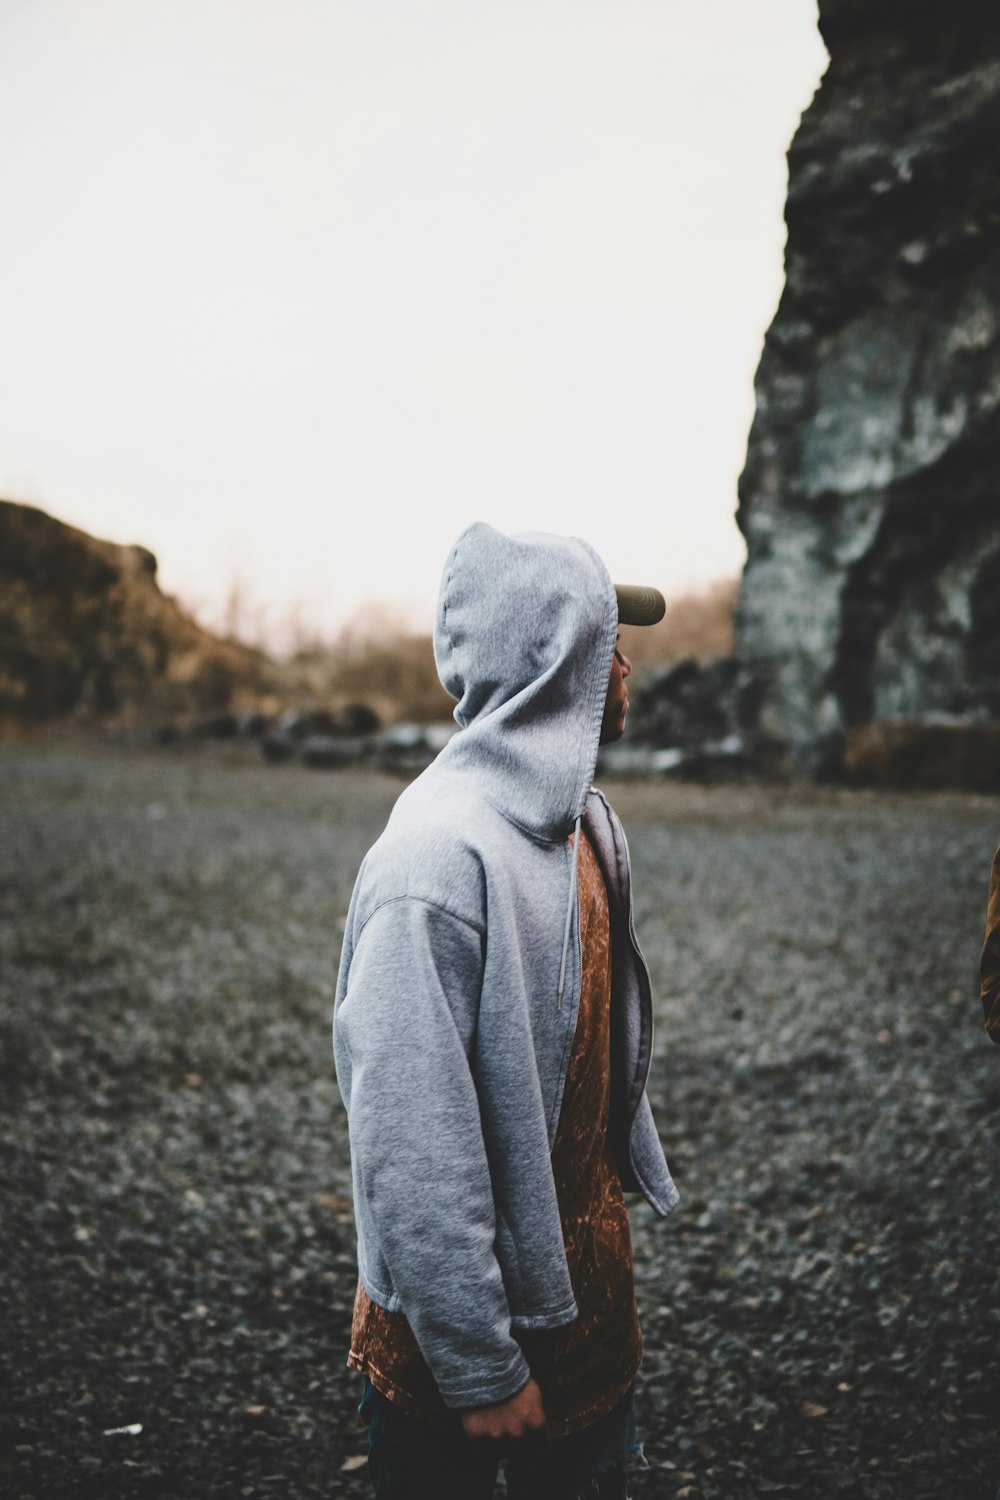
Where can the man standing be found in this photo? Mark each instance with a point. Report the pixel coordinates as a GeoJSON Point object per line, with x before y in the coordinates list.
{"type": "Point", "coordinates": [493, 1034]}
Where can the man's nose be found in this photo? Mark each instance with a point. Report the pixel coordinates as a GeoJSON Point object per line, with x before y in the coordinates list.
{"type": "Point", "coordinates": [626, 664]}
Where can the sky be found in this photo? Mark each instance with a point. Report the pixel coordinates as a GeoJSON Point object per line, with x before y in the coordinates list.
{"type": "Point", "coordinates": [291, 291]}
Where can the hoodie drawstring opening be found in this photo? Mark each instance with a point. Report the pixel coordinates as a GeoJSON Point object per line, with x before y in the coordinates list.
{"type": "Point", "coordinates": [569, 913]}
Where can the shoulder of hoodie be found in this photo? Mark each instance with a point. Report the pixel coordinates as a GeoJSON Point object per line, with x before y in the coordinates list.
{"type": "Point", "coordinates": [436, 848]}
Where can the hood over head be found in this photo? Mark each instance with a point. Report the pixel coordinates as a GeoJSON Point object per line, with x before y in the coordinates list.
{"type": "Point", "coordinates": [524, 639]}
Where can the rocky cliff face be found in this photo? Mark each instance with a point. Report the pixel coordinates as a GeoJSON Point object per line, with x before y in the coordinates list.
{"type": "Point", "coordinates": [85, 630]}
{"type": "Point", "coordinates": [870, 500]}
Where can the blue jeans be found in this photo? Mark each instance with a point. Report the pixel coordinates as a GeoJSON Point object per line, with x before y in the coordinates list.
{"type": "Point", "coordinates": [410, 1460]}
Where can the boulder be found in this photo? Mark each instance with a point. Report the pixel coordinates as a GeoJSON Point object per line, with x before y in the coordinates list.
{"type": "Point", "coordinates": [690, 704]}
{"type": "Point", "coordinates": [355, 719]}
{"type": "Point", "coordinates": [278, 748]}
{"type": "Point", "coordinates": [327, 752]}
{"type": "Point", "coordinates": [869, 500]}
{"type": "Point", "coordinates": [86, 631]}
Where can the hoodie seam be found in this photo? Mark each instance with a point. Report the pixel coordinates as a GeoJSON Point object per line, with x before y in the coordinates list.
{"type": "Point", "coordinates": [572, 1015]}
{"type": "Point", "coordinates": [542, 839]}
{"type": "Point", "coordinates": [475, 927]}
{"type": "Point", "coordinates": [598, 694]}
{"type": "Point", "coordinates": [445, 628]}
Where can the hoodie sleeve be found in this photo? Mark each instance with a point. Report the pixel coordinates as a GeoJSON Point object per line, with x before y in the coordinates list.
{"type": "Point", "coordinates": [989, 970]}
{"type": "Point", "coordinates": [403, 1031]}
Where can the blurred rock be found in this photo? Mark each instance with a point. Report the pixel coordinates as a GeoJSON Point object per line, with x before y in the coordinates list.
{"type": "Point", "coordinates": [277, 748]}
{"type": "Point", "coordinates": [407, 749]}
{"type": "Point", "coordinates": [869, 497]}
{"type": "Point", "coordinates": [357, 718]}
{"type": "Point", "coordinates": [438, 735]}
{"type": "Point", "coordinates": [716, 760]}
{"type": "Point", "coordinates": [690, 703]}
{"type": "Point", "coordinates": [401, 739]}
{"type": "Point", "coordinates": [404, 749]}
{"type": "Point", "coordinates": [694, 720]}
{"type": "Point", "coordinates": [86, 631]}
{"type": "Point", "coordinates": [251, 726]}
{"type": "Point", "coordinates": [327, 752]}
{"type": "Point", "coordinates": [300, 723]}
{"type": "Point", "coordinates": [216, 727]}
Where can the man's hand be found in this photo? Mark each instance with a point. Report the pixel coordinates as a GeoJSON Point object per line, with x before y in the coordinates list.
{"type": "Point", "coordinates": [515, 1418]}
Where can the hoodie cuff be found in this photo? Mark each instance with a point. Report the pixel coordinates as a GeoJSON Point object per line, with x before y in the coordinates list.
{"type": "Point", "coordinates": [489, 1389]}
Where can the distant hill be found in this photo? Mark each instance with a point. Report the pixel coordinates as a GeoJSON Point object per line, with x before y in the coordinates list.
{"type": "Point", "coordinates": [86, 631]}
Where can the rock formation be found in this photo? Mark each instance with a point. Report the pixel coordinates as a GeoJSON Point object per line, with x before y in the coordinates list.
{"type": "Point", "coordinates": [870, 500]}
{"type": "Point", "coordinates": [85, 630]}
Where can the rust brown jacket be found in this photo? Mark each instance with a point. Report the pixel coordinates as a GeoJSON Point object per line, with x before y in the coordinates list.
{"type": "Point", "coordinates": [989, 969]}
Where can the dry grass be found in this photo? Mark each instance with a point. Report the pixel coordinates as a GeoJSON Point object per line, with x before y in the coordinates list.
{"type": "Point", "coordinates": [699, 624]}
{"type": "Point", "coordinates": [377, 659]}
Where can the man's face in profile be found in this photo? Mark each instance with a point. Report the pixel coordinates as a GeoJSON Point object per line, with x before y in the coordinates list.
{"type": "Point", "coordinates": [616, 702]}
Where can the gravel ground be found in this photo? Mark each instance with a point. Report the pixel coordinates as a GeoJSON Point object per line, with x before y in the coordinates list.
{"type": "Point", "coordinates": [176, 1251]}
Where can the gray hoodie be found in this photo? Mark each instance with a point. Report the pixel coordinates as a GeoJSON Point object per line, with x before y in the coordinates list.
{"type": "Point", "coordinates": [460, 974]}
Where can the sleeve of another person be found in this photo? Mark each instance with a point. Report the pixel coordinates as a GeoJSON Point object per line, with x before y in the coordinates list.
{"type": "Point", "coordinates": [989, 969]}
{"type": "Point", "coordinates": [404, 1031]}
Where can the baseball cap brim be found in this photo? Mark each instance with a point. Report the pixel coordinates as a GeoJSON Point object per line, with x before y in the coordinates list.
{"type": "Point", "coordinates": [638, 605]}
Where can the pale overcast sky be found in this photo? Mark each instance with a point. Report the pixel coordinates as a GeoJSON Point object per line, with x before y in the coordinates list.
{"type": "Point", "coordinates": [292, 290]}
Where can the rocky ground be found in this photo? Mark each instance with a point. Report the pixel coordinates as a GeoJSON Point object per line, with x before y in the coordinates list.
{"type": "Point", "coordinates": [821, 1317]}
